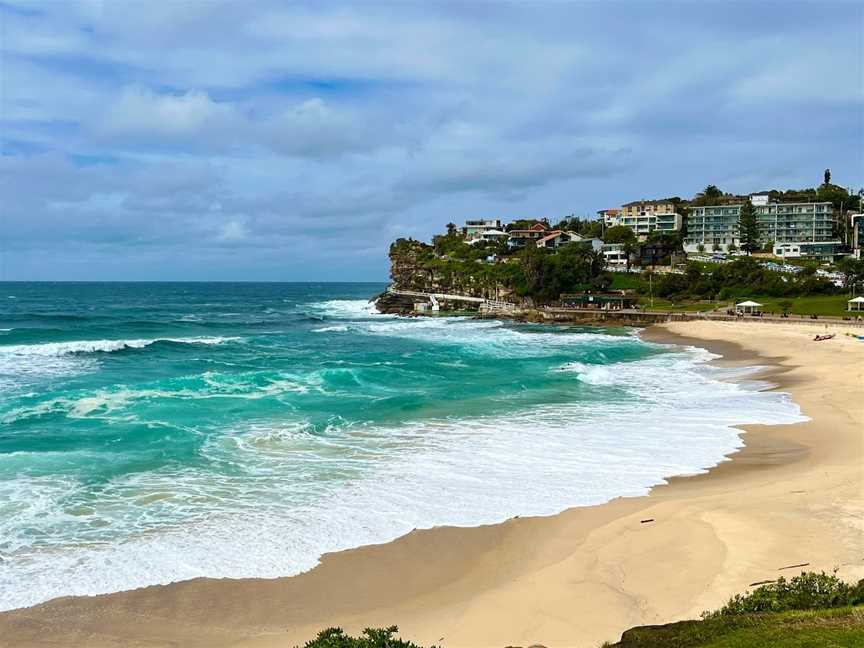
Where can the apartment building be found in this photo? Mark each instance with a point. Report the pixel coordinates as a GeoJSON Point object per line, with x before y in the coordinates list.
{"type": "Point", "coordinates": [645, 207]}
{"type": "Point", "coordinates": [646, 216]}
{"type": "Point", "coordinates": [778, 222]}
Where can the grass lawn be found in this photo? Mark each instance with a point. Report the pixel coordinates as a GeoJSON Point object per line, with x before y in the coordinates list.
{"type": "Point", "coordinates": [825, 305]}
{"type": "Point", "coordinates": [627, 281]}
{"type": "Point", "coordinates": [811, 305]}
{"type": "Point", "coordinates": [834, 628]}
{"type": "Point", "coordinates": [665, 306]}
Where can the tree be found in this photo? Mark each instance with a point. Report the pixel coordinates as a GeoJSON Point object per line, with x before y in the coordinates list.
{"type": "Point", "coordinates": [451, 229]}
{"type": "Point", "coordinates": [716, 247]}
{"type": "Point", "coordinates": [524, 223]}
{"type": "Point", "coordinates": [838, 196]}
{"type": "Point", "coordinates": [684, 210]}
{"type": "Point", "coordinates": [710, 195]}
{"type": "Point", "coordinates": [732, 248]}
{"type": "Point", "coordinates": [748, 228]}
{"type": "Point", "coordinates": [853, 272]}
{"type": "Point", "coordinates": [629, 248]}
{"type": "Point", "coordinates": [700, 248]}
{"type": "Point", "coordinates": [827, 176]}
{"type": "Point", "coordinates": [785, 306]}
{"type": "Point", "coordinates": [619, 234]}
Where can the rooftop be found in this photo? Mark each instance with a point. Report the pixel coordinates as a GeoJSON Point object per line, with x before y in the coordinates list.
{"type": "Point", "coordinates": [662, 201]}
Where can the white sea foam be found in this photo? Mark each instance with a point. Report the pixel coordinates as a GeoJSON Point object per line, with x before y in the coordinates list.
{"type": "Point", "coordinates": [348, 309]}
{"type": "Point", "coordinates": [315, 493]}
{"type": "Point", "coordinates": [111, 404]}
{"type": "Point", "coordinates": [96, 346]}
{"type": "Point", "coordinates": [22, 363]}
{"type": "Point", "coordinates": [492, 337]}
{"type": "Point", "coordinates": [330, 329]}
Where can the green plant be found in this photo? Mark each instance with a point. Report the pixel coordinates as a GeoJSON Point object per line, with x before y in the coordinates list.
{"type": "Point", "coordinates": [832, 628]}
{"type": "Point", "coordinates": [619, 234]}
{"type": "Point", "coordinates": [806, 591]}
{"type": "Point", "coordinates": [710, 195]}
{"type": "Point", "coordinates": [748, 228]}
{"type": "Point", "coordinates": [371, 638]}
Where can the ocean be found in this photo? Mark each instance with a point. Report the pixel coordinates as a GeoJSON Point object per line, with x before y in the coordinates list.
{"type": "Point", "coordinates": [154, 432]}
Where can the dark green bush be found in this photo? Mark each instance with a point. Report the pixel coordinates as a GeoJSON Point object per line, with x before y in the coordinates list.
{"type": "Point", "coordinates": [372, 638]}
{"type": "Point", "coordinates": [807, 591]}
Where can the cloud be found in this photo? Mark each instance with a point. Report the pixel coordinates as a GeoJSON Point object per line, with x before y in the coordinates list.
{"type": "Point", "coordinates": [315, 129]}
{"type": "Point", "coordinates": [140, 111]}
{"type": "Point", "coordinates": [308, 135]}
{"type": "Point", "coordinates": [232, 232]}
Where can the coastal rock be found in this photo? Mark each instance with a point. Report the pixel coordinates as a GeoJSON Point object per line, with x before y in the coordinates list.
{"type": "Point", "coordinates": [393, 304]}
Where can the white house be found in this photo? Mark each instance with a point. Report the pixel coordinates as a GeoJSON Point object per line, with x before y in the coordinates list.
{"type": "Point", "coordinates": [474, 227]}
{"type": "Point", "coordinates": [488, 235]}
{"type": "Point", "coordinates": [614, 253]}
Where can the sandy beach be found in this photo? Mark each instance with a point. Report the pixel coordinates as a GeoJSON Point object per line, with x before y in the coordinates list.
{"type": "Point", "coordinates": [793, 498]}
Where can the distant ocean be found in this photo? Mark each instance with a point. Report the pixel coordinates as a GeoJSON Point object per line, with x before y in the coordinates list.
{"type": "Point", "coordinates": [156, 432]}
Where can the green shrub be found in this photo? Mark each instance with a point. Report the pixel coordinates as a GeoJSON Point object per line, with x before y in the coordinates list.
{"type": "Point", "coordinates": [807, 591]}
{"type": "Point", "coordinates": [372, 638]}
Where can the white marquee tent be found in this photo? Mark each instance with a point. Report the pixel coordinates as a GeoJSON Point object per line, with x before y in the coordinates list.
{"type": "Point", "coordinates": [748, 306]}
{"type": "Point", "coordinates": [856, 303]}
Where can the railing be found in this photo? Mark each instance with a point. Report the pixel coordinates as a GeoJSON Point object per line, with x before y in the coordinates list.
{"type": "Point", "coordinates": [497, 304]}
{"type": "Point", "coordinates": [441, 296]}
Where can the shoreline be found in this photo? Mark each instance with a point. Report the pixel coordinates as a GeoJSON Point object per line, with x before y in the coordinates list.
{"type": "Point", "coordinates": [572, 579]}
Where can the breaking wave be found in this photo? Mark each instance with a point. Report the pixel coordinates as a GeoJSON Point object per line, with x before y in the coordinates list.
{"type": "Point", "coordinates": [100, 346]}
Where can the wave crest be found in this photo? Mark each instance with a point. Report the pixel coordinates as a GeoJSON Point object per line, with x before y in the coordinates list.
{"type": "Point", "coordinates": [53, 349]}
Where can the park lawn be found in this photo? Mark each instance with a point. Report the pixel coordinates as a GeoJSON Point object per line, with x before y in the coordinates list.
{"type": "Point", "coordinates": [628, 281]}
{"type": "Point", "coordinates": [831, 628]}
{"type": "Point", "coordinates": [823, 305]}
{"type": "Point", "coordinates": [833, 305]}
{"type": "Point", "coordinates": [684, 306]}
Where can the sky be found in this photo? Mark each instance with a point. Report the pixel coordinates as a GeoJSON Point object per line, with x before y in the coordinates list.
{"type": "Point", "coordinates": [292, 141]}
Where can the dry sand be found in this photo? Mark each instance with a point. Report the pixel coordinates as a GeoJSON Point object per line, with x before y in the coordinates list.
{"type": "Point", "coordinates": [794, 495]}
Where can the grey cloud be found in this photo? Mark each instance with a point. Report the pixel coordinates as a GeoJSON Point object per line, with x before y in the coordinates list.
{"type": "Point", "coordinates": [231, 132]}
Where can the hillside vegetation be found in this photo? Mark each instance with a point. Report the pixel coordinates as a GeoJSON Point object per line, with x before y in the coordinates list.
{"type": "Point", "coordinates": [539, 276]}
{"type": "Point", "coordinates": [450, 265]}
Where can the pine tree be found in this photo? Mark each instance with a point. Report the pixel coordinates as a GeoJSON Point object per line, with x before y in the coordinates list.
{"type": "Point", "coordinates": [748, 228]}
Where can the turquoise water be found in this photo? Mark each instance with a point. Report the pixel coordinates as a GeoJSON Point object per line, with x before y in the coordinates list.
{"type": "Point", "coordinates": [155, 432]}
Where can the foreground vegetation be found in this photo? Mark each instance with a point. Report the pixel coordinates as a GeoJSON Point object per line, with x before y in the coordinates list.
{"type": "Point", "coordinates": [807, 611]}
{"type": "Point", "coordinates": [832, 628]}
{"type": "Point", "coordinates": [371, 638]}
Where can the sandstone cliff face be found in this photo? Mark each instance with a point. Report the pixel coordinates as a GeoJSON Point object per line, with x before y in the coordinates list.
{"type": "Point", "coordinates": [409, 266]}
{"type": "Point", "coordinates": [415, 266]}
